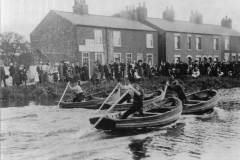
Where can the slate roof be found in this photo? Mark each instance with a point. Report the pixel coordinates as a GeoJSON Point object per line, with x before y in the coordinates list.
{"type": "Point", "coordinates": [103, 21]}
{"type": "Point", "coordinates": [189, 27]}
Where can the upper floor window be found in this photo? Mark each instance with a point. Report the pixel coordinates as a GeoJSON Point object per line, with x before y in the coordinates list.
{"type": "Point", "coordinates": [98, 36]}
{"type": "Point", "coordinates": [216, 43]}
{"type": "Point", "coordinates": [189, 42]}
{"type": "Point", "coordinates": [198, 43]}
{"type": "Point", "coordinates": [149, 40]}
{"type": "Point", "coordinates": [226, 43]}
{"type": "Point", "coordinates": [117, 42]}
{"type": "Point", "coordinates": [177, 41]}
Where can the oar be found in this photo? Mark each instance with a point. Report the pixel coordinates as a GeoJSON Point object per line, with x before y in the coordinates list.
{"type": "Point", "coordinates": [108, 97]}
{"type": "Point", "coordinates": [63, 94]}
{"type": "Point", "coordinates": [99, 120]}
{"type": "Point", "coordinates": [165, 89]}
{"type": "Point", "coordinates": [198, 91]}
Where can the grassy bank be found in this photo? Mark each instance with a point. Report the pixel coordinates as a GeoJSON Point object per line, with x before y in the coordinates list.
{"type": "Point", "coordinates": [51, 92]}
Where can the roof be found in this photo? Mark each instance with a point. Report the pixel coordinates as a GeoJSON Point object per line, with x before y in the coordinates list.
{"type": "Point", "coordinates": [189, 27]}
{"type": "Point", "coordinates": [103, 21]}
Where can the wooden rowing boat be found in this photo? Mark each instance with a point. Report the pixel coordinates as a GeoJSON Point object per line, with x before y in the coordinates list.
{"type": "Point", "coordinates": [200, 102]}
{"type": "Point", "coordinates": [95, 102]}
{"type": "Point", "coordinates": [90, 104]}
{"type": "Point", "coordinates": [160, 113]}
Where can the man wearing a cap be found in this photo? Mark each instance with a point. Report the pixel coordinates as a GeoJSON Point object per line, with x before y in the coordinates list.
{"type": "Point", "coordinates": [137, 95]}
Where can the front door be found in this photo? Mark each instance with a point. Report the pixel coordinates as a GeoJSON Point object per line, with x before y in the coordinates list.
{"type": "Point", "coordinates": [86, 60]}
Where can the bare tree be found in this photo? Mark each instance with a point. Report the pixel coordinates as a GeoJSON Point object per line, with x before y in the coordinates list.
{"type": "Point", "coordinates": [10, 43]}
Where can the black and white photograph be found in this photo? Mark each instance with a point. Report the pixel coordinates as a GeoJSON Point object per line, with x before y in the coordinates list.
{"type": "Point", "coordinates": [119, 80]}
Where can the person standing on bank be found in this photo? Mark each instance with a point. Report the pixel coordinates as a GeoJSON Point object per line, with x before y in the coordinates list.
{"type": "Point", "coordinates": [137, 94]}
{"type": "Point", "coordinates": [75, 87]}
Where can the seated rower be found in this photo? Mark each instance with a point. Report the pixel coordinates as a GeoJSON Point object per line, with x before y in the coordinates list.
{"type": "Point", "coordinates": [175, 88]}
{"type": "Point", "coordinates": [74, 86]}
{"type": "Point", "coordinates": [137, 94]}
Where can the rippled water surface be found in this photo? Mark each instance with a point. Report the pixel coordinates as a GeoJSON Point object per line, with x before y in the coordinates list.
{"type": "Point", "coordinates": [49, 133]}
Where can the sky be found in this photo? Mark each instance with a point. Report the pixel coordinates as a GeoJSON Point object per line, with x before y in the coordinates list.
{"type": "Point", "coordinates": [22, 16]}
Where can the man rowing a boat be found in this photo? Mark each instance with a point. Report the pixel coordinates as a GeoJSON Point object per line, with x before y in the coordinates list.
{"type": "Point", "coordinates": [176, 89]}
{"type": "Point", "coordinates": [136, 93]}
{"type": "Point", "coordinates": [75, 87]}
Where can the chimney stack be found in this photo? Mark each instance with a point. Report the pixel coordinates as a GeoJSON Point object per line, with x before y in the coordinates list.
{"type": "Point", "coordinates": [226, 22]}
{"type": "Point", "coordinates": [169, 14]}
{"type": "Point", "coordinates": [80, 7]}
{"type": "Point", "coordinates": [196, 17]}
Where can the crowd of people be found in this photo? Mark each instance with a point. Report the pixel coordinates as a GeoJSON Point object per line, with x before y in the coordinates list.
{"type": "Point", "coordinates": [65, 71]}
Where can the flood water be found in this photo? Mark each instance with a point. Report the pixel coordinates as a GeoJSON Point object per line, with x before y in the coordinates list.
{"type": "Point", "coordinates": [48, 133]}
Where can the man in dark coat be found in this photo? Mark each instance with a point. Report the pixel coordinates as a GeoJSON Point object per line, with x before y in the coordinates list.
{"type": "Point", "coordinates": [137, 94]}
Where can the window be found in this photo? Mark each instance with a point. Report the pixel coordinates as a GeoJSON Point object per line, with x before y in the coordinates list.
{"type": "Point", "coordinates": [189, 42]}
{"type": "Point", "coordinates": [189, 58]}
{"type": "Point", "coordinates": [117, 57]}
{"type": "Point", "coordinates": [117, 42]}
{"type": "Point", "coordinates": [216, 43]}
{"type": "Point", "coordinates": [198, 43]}
{"type": "Point", "coordinates": [99, 58]}
{"type": "Point", "coordinates": [128, 57]}
{"type": "Point", "coordinates": [150, 59]}
{"type": "Point", "coordinates": [226, 57]}
{"type": "Point", "coordinates": [199, 58]}
{"type": "Point", "coordinates": [215, 58]}
{"type": "Point", "coordinates": [177, 41]}
{"type": "Point", "coordinates": [177, 58]}
{"type": "Point", "coordinates": [239, 57]}
{"type": "Point", "coordinates": [98, 36]}
{"type": "Point", "coordinates": [234, 56]}
{"type": "Point", "coordinates": [149, 40]}
{"type": "Point", "coordinates": [226, 43]}
{"type": "Point", "coordinates": [210, 59]}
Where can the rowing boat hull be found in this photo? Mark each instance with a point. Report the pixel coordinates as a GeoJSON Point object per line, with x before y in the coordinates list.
{"type": "Point", "coordinates": [150, 119]}
{"type": "Point", "coordinates": [96, 102]}
{"type": "Point", "coordinates": [202, 106]}
{"type": "Point", "coordinates": [91, 104]}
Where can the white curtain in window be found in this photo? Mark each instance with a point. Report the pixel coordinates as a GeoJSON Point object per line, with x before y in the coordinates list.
{"type": "Point", "coordinates": [98, 36]}
{"type": "Point", "coordinates": [149, 41]}
{"type": "Point", "coordinates": [117, 38]}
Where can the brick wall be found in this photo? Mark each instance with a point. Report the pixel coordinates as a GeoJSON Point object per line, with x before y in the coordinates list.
{"type": "Point", "coordinates": [54, 36]}
{"type": "Point", "coordinates": [135, 42]}
{"type": "Point", "coordinates": [207, 46]}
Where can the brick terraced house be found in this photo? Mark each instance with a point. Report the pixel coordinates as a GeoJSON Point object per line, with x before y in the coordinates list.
{"type": "Point", "coordinates": [81, 37]}
{"type": "Point", "coordinates": [193, 40]}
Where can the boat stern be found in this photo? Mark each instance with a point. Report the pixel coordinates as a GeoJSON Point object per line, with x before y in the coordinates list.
{"type": "Point", "coordinates": [104, 124]}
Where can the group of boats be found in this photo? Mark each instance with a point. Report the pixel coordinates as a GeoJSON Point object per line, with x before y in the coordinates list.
{"type": "Point", "coordinates": [157, 110]}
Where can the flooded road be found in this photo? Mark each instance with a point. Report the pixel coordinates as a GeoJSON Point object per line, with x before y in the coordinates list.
{"type": "Point", "coordinates": [48, 133]}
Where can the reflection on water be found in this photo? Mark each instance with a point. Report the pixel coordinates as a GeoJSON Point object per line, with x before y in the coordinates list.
{"type": "Point", "coordinates": [138, 147]}
{"type": "Point", "coordinates": [49, 133]}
